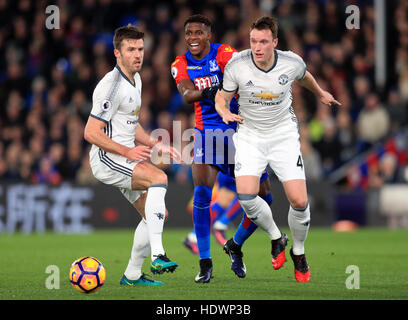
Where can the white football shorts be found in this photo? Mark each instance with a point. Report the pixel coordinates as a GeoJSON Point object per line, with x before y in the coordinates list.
{"type": "Point", "coordinates": [280, 149]}
{"type": "Point", "coordinates": [115, 170]}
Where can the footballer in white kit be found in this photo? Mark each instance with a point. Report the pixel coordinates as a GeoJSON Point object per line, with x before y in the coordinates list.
{"type": "Point", "coordinates": [117, 102]}
{"type": "Point", "coordinates": [269, 134]}
{"type": "Point", "coordinates": [113, 130]}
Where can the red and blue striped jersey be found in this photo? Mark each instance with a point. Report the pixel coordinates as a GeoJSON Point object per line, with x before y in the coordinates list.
{"type": "Point", "coordinates": [204, 73]}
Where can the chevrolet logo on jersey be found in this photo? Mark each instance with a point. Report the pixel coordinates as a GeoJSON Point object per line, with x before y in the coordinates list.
{"type": "Point", "coordinates": [228, 49]}
{"type": "Point", "coordinates": [266, 95]}
{"type": "Point", "coordinates": [136, 112]}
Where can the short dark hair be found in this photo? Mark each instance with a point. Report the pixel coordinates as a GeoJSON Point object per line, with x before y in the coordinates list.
{"type": "Point", "coordinates": [266, 23]}
{"type": "Point", "coordinates": [126, 32]}
{"type": "Point", "coordinates": [199, 18]}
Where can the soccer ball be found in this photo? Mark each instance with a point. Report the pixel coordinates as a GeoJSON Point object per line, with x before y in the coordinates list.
{"type": "Point", "coordinates": [87, 274]}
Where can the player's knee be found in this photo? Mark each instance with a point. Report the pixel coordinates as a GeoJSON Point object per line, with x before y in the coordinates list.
{"type": "Point", "coordinates": [248, 203]}
{"type": "Point", "coordinates": [202, 196]}
{"type": "Point", "coordinates": [159, 178]}
{"type": "Point", "coordinates": [299, 202]}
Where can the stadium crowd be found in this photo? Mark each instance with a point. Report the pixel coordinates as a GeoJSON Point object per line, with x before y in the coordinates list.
{"type": "Point", "coordinates": [47, 77]}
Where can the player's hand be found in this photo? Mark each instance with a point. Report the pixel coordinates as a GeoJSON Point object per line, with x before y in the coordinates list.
{"type": "Point", "coordinates": [328, 99]}
{"type": "Point", "coordinates": [228, 117]}
{"type": "Point", "coordinates": [138, 153]}
{"type": "Point", "coordinates": [165, 149]}
{"type": "Point", "coordinates": [210, 92]}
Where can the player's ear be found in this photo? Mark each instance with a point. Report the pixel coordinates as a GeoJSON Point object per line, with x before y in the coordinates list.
{"type": "Point", "coordinates": [209, 34]}
{"type": "Point", "coordinates": [116, 52]}
{"type": "Point", "coordinates": [275, 42]}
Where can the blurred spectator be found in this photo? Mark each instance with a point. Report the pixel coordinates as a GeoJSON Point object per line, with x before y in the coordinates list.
{"type": "Point", "coordinates": [46, 173]}
{"type": "Point", "coordinates": [47, 76]}
{"type": "Point", "coordinates": [373, 122]}
{"type": "Point", "coordinates": [329, 146]}
{"type": "Point", "coordinates": [387, 172]}
{"type": "Point", "coordinates": [84, 175]}
{"type": "Point", "coordinates": [397, 111]}
{"type": "Point", "coordinates": [311, 158]}
{"type": "Point", "coordinates": [361, 90]}
{"type": "Point", "coordinates": [26, 165]}
{"type": "Point", "coordinates": [346, 135]}
{"type": "Point", "coordinates": [12, 156]}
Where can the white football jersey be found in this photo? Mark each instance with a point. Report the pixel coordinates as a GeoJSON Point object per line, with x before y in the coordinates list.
{"type": "Point", "coordinates": [117, 102]}
{"type": "Point", "coordinates": [265, 97]}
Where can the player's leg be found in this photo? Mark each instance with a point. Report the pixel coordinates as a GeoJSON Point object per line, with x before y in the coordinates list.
{"type": "Point", "coordinates": [247, 227]}
{"type": "Point", "coordinates": [225, 208]}
{"type": "Point", "coordinates": [258, 213]}
{"type": "Point", "coordinates": [224, 199]}
{"type": "Point", "coordinates": [299, 222]}
{"type": "Point", "coordinates": [190, 241]}
{"type": "Point", "coordinates": [204, 177]}
{"type": "Point", "coordinates": [277, 245]}
{"type": "Point", "coordinates": [286, 160]}
{"type": "Point", "coordinates": [147, 176]}
{"type": "Point", "coordinates": [133, 275]}
{"type": "Point", "coordinates": [256, 208]}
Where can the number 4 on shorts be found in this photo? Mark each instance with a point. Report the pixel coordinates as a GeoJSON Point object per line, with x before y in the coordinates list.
{"type": "Point", "coordinates": [299, 162]}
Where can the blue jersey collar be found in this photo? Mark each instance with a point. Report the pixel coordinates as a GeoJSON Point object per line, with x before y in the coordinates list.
{"type": "Point", "coordinates": [274, 63]}
{"type": "Point", "coordinates": [124, 76]}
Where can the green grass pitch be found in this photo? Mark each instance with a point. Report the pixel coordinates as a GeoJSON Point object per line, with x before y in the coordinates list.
{"type": "Point", "coordinates": [381, 256]}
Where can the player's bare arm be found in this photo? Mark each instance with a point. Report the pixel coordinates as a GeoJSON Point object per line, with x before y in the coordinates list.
{"type": "Point", "coordinates": [222, 106]}
{"type": "Point", "coordinates": [310, 83]}
{"type": "Point", "coordinates": [94, 134]}
{"type": "Point", "coordinates": [188, 91]}
{"type": "Point", "coordinates": [142, 137]}
{"type": "Point", "coordinates": [190, 94]}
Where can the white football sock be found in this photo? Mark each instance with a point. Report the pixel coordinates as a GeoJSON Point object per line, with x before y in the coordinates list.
{"type": "Point", "coordinates": [299, 222]}
{"type": "Point", "coordinates": [155, 211]}
{"type": "Point", "coordinates": [140, 251]}
{"type": "Point", "coordinates": [258, 210]}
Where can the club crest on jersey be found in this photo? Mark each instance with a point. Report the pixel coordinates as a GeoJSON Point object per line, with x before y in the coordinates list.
{"type": "Point", "coordinates": [283, 79]}
{"type": "Point", "coordinates": [213, 66]}
{"type": "Point", "coordinates": [106, 105]}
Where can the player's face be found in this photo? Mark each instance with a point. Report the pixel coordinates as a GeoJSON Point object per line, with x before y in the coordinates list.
{"type": "Point", "coordinates": [197, 36]}
{"type": "Point", "coordinates": [262, 45]}
{"type": "Point", "coordinates": [130, 55]}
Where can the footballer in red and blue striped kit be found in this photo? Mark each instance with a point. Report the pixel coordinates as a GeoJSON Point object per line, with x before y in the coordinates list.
{"type": "Point", "coordinates": [206, 72]}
